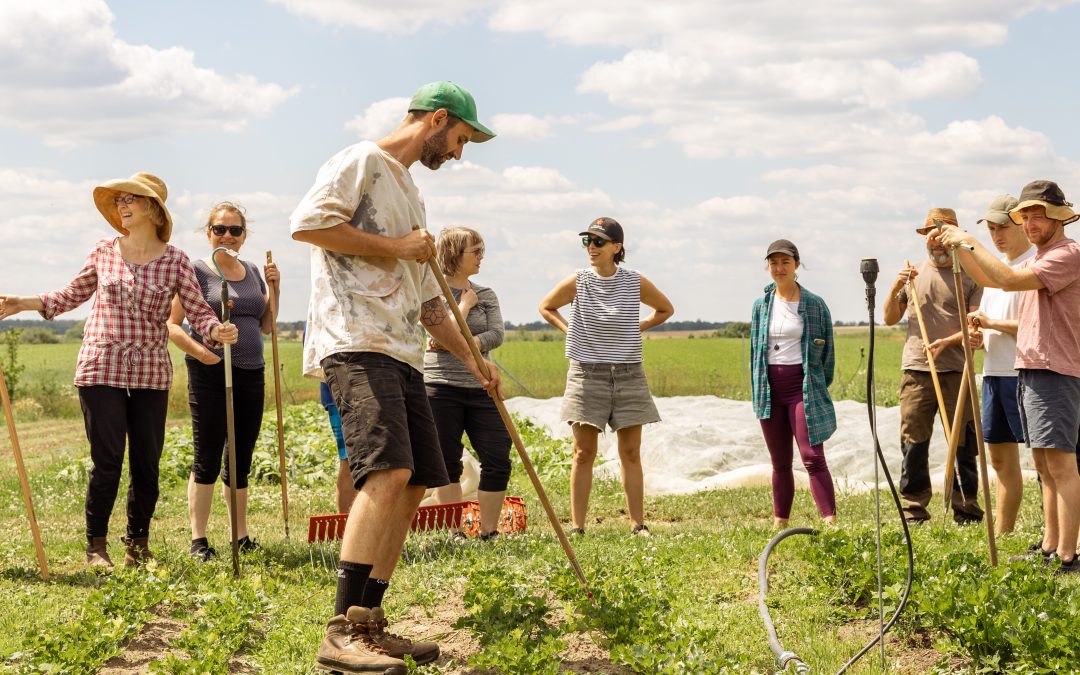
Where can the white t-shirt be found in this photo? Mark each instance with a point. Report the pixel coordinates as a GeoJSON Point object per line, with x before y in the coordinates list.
{"type": "Point", "coordinates": [785, 333]}
{"type": "Point", "coordinates": [1001, 347]}
{"type": "Point", "coordinates": [364, 303]}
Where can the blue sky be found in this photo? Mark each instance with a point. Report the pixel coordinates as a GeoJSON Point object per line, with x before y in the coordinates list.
{"type": "Point", "coordinates": [707, 129]}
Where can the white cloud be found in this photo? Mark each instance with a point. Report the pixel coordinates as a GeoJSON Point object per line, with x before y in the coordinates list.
{"type": "Point", "coordinates": [403, 16]}
{"type": "Point", "coordinates": [379, 118]}
{"type": "Point", "coordinates": [523, 127]}
{"type": "Point", "coordinates": [68, 78]}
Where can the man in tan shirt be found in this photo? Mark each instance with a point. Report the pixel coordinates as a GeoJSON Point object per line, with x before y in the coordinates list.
{"type": "Point", "coordinates": [918, 402]}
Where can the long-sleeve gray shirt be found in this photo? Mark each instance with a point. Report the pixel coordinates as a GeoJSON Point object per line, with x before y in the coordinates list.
{"type": "Point", "coordinates": [486, 323]}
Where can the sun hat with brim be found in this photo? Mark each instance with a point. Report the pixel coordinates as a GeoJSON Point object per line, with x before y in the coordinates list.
{"type": "Point", "coordinates": [456, 101]}
{"type": "Point", "coordinates": [936, 217]}
{"type": "Point", "coordinates": [783, 246]}
{"type": "Point", "coordinates": [998, 211]}
{"type": "Point", "coordinates": [1047, 194]}
{"type": "Point", "coordinates": [141, 184]}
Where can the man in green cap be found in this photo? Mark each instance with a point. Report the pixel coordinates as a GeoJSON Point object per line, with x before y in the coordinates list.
{"type": "Point", "coordinates": [371, 298]}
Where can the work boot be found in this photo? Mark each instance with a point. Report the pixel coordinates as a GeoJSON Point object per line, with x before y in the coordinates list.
{"type": "Point", "coordinates": [347, 647]}
{"type": "Point", "coordinates": [136, 551]}
{"type": "Point", "coordinates": [96, 553]}
{"type": "Point", "coordinates": [395, 645]}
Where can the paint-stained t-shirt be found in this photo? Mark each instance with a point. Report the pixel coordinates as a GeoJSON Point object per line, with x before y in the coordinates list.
{"type": "Point", "coordinates": [364, 303]}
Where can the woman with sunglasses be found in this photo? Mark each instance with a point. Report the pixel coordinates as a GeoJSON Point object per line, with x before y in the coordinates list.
{"type": "Point", "coordinates": [226, 227]}
{"type": "Point", "coordinates": [791, 362]}
{"type": "Point", "coordinates": [606, 385]}
{"type": "Point", "coordinates": [458, 402]}
{"type": "Point", "coordinates": [123, 373]}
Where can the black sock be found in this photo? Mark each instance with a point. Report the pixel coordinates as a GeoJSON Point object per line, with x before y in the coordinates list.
{"type": "Point", "coordinates": [351, 580]}
{"type": "Point", "coordinates": [373, 593]}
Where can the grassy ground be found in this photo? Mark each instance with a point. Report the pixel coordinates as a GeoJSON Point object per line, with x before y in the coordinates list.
{"type": "Point", "coordinates": [681, 602]}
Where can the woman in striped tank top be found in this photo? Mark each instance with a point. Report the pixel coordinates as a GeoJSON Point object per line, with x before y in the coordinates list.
{"type": "Point", "coordinates": [606, 385]}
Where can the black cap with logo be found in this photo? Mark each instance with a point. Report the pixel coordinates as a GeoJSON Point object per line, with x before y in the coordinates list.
{"type": "Point", "coordinates": [606, 228]}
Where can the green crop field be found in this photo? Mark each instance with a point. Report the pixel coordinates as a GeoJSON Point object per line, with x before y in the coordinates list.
{"type": "Point", "coordinates": [534, 367]}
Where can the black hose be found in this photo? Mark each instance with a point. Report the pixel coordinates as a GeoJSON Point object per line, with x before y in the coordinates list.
{"type": "Point", "coordinates": [785, 658]}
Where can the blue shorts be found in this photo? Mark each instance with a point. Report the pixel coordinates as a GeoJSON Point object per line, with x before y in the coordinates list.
{"type": "Point", "coordinates": [335, 419]}
{"type": "Point", "coordinates": [1001, 411]}
{"type": "Point", "coordinates": [1050, 409]}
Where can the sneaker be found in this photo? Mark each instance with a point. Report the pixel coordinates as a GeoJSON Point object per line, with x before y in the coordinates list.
{"type": "Point", "coordinates": [640, 530]}
{"type": "Point", "coordinates": [201, 550]}
{"type": "Point", "coordinates": [1034, 553]}
{"type": "Point", "coordinates": [577, 532]}
{"type": "Point", "coordinates": [347, 648]}
{"type": "Point", "coordinates": [394, 645]}
{"type": "Point", "coordinates": [1070, 567]}
{"type": "Point", "coordinates": [488, 536]}
{"type": "Point", "coordinates": [247, 544]}
{"type": "Point", "coordinates": [458, 536]}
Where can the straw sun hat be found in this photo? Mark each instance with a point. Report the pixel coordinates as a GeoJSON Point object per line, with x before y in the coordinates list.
{"type": "Point", "coordinates": [141, 184]}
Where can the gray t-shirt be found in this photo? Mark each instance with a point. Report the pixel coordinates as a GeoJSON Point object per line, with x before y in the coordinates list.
{"type": "Point", "coordinates": [249, 304]}
{"type": "Point", "coordinates": [486, 323]}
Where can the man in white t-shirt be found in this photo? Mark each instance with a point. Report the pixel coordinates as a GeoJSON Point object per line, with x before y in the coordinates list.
{"type": "Point", "coordinates": [996, 317]}
{"type": "Point", "coordinates": [371, 298]}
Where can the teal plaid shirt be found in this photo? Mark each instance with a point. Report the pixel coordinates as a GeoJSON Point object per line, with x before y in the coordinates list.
{"type": "Point", "coordinates": [819, 361]}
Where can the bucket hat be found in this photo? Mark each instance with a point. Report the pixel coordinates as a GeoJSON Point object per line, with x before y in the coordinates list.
{"type": "Point", "coordinates": [141, 184]}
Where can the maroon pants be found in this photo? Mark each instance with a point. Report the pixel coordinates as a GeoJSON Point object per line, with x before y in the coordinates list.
{"type": "Point", "coordinates": [787, 420]}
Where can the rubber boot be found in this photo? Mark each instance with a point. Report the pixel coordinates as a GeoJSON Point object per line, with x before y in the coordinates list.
{"type": "Point", "coordinates": [136, 551]}
{"type": "Point", "coordinates": [96, 553]}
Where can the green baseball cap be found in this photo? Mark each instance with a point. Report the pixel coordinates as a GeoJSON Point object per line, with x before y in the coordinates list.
{"type": "Point", "coordinates": [455, 100]}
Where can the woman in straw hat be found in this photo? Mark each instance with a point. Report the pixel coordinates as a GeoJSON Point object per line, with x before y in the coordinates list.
{"type": "Point", "coordinates": [791, 359]}
{"type": "Point", "coordinates": [226, 227]}
{"type": "Point", "coordinates": [124, 370]}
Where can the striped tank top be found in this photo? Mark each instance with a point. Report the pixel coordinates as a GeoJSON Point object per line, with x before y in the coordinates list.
{"type": "Point", "coordinates": [605, 319]}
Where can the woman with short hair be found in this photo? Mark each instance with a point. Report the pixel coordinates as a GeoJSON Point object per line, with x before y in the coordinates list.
{"type": "Point", "coordinates": [226, 227]}
{"type": "Point", "coordinates": [791, 363]}
{"type": "Point", "coordinates": [458, 403]}
{"type": "Point", "coordinates": [124, 371]}
{"type": "Point", "coordinates": [606, 384]}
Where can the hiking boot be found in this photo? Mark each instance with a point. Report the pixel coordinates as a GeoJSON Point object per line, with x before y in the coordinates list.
{"type": "Point", "coordinates": [395, 645]}
{"type": "Point", "coordinates": [488, 536]}
{"type": "Point", "coordinates": [640, 531]}
{"type": "Point", "coordinates": [247, 544]}
{"type": "Point", "coordinates": [347, 648]}
{"type": "Point", "coordinates": [458, 536]}
{"type": "Point", "coordinates": [96, 553]}
{"type": "Point", "coordinates": [136, 551]}
{"type": "Point", "coordinates": [577, 531]}
{"type": "Point", "coordinates": [201, 550]}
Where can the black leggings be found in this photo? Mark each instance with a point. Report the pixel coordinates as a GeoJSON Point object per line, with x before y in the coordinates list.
{"type": "Point", "coordinates": [114, 418]}
{"type": "Point", "coordinates": [206, 398]}
{"type": "Point", "coordinates": [460, 410]}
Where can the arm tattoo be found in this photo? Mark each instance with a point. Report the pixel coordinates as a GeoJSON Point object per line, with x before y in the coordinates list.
{"type": "Point", "coordinates": [432, 312]}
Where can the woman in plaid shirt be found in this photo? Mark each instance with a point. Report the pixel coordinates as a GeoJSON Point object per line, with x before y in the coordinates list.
{"type": "Point", "coordinates": [792, 359]}
{"type": "Point", "coordinates": [124, 371]}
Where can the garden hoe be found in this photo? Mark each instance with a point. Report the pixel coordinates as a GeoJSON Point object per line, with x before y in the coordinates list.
{"type": "Point", "coordinates": [230, 421]}
{"type": "Point", "coordinates": [277, 402]}
{"type": "Point", "coordinates": [23, 482]}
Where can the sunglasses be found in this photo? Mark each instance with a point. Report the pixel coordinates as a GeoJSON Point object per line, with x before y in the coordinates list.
{"type": "Point", "coordinates": [125, 199]}
{"type": "Point", "coordinates": [234, 230]}
{"type": "Point", "coordinates": [595, 241]}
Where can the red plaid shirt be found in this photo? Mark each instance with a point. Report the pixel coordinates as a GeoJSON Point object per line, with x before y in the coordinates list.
{"type": "Point", "coordinates": [124, 341]}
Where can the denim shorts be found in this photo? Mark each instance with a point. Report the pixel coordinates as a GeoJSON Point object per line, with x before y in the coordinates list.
{"type": "Point", "coordinates": [1049, 408]}
{"type": "Point", "coordinates": [1001, 411]}
{"type": "Point", "coordinates": [612, 395]}
{"type": "Point", "coordinates": [385, 417]}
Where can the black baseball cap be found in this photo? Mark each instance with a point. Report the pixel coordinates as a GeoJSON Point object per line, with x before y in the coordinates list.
{"type": "Point", "coordinates": [606, 228]}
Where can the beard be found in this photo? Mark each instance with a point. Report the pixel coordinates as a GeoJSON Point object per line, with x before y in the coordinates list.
{"type": "Point", "coordinates": [435, 150]}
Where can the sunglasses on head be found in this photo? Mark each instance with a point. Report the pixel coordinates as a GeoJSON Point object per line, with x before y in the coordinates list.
{"type": "Point", "coordinates": [595, 241]}
{"type": "Point", "coordinates": [220, 230]}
